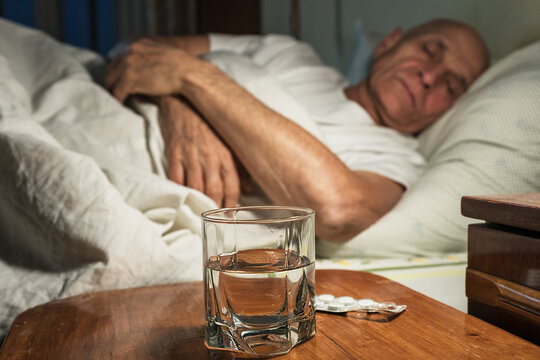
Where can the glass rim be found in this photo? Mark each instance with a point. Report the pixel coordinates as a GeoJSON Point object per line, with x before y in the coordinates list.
{"type": "Point", "coordinates": [207, 215]}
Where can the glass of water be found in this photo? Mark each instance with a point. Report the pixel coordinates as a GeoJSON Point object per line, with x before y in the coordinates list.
{"type": "Point", "coordinates": [259, 276]}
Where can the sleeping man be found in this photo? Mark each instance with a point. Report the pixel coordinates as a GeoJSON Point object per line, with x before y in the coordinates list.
{"type": "Point", "coordinates": [352, 166]}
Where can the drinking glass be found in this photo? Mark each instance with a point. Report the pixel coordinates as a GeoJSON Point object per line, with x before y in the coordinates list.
{"type": "Point", "coordinates": [259, 276]}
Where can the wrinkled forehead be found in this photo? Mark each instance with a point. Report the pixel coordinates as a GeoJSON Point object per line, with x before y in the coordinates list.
{"type": "Point", "coordinates": [466, 49]}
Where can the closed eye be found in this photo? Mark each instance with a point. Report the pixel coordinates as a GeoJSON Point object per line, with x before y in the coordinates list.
{"type": "Point", "coordinates": [454, 86]}
{"type": "Point", "coordinates": [449, 88]}
{"type": "Point", "coordinates": [434, 48]}
{"type": "Point", "coordinates": [428, 51]}
{"type": "Point", "coordinates": [441, 45]}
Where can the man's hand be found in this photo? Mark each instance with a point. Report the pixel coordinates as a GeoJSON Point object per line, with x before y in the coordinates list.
{"type": "Point", "coordinates": [150, 68]}
{"type": "Point", "coordinates": [196, 155]}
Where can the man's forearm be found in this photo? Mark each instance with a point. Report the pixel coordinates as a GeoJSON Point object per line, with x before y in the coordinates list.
{"type": "Point", "coordinates": [290, 165]}
{"type": "Point", "coordinates": [193, 44]}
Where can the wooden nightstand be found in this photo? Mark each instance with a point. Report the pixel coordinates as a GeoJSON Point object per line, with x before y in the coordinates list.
{"type": "Point", "coordinates": [503, 273]}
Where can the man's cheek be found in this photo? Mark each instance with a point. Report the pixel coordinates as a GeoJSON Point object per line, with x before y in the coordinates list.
{"type": "Point", "coordinates": [396, 103]}
{"type": "Point", "coordinates": [437, 106]}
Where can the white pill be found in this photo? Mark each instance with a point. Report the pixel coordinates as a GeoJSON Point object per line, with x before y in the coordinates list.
{"type": "Point", "coordinates": [345, 300]}
{"type": "Point", "coordinates": [336, 307]}
{"type": "Point", "coordinates": [365, 302]}
{"type": "Point", "coordinates": [329, 303]}
{"type": "Point", "coordinates": [386, 305]}
{"type": "Point", "coordinates": [325, 297]}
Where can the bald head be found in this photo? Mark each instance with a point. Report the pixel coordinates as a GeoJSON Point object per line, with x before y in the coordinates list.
{"type": "Point", "coordinates": [416, 76]}
{"type": "Point", "coordinates": [448, 25]}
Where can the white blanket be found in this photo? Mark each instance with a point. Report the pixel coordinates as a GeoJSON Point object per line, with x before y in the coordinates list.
{"type": "Point", "coordinates": [80, 206]}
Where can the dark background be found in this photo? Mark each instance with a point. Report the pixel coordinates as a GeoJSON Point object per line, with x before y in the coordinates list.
{"type": "Point", "coordinates": [99, 24]}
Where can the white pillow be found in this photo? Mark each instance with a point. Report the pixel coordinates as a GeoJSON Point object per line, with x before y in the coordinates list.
{"type": "Point", "coordinates": [488, 143]}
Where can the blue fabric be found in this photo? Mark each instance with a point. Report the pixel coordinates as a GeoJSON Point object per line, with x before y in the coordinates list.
{"type": "Point", "coordinates": [105, 25]}
{"type": "Point", "coordinates": [21, 11]}
{"type": "Point", "coordinates": [361, 60]}
{"type": "Point", "coordinates": [76, 23]}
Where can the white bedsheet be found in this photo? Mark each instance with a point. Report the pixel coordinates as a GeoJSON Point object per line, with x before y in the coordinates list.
{"type": "Point", "coordinates": [81, 209]}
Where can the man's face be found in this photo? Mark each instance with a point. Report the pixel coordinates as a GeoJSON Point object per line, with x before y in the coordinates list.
{"type": "Point", "coordinates": [420, 75]}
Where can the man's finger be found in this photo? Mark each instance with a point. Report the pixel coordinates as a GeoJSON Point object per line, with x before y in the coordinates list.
{"type": "Point", "coordinates": [124, 76]}
{"type": "Point", "coordinates": [213, 183]}
{"type": "Point", "coordinates": [113, 72]}
{"type": "Point", "coordinates": [195, 179]}
{"type": "Point", "coordinates": [115, 79]}
{"type": "Point", "coordinates": [194, 175]}
{"type": "Point", "coordinates": [246, 184]}
{"type": "Point", "coordinates": [176, 171]}
{"type": "Point", "coordinates": [127, 84]}
{"type": "Point", "coordinates": [231, 183]}
{"type": "Point", "coordinates": [121, 90]}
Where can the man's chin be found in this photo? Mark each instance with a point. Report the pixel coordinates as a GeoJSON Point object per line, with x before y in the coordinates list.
{"type": "Point", "coordinates": [406, 128]}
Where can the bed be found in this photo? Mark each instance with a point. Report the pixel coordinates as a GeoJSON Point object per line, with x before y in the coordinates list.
{"type": "Point", "coordinates": [84, 206]}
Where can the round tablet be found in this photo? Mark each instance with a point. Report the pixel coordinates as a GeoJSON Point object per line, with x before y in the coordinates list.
{"type": "Point", "coordinates": [325, 297]}
{"type": "Point", "coordinates": [365, 302]}
{"type": "Point", "coordinates": [386, 305]}
{"type": "Point", "coordinates": [336, 307]}
{"type": "Point", "coordinates": [345, 300]}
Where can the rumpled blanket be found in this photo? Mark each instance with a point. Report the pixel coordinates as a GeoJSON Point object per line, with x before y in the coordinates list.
{"type": "Point", "coordinates": [83, 207]}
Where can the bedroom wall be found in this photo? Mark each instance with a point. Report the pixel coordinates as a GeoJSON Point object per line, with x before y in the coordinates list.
{"type": "Point", "coordinates": [329, 25]}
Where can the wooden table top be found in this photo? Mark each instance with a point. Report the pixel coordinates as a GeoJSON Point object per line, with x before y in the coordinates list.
{"type": "Point", "coordinates": [517, 210]}
{"type": "Point", "coordinates": [167, 322]}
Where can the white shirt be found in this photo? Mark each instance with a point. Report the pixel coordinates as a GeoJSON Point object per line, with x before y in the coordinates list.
{"type": "Point", "coordinates": [289, 77]}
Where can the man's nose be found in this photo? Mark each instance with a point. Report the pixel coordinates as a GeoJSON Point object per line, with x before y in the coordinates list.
{"type": "Point", "coordinates": [431, 74]}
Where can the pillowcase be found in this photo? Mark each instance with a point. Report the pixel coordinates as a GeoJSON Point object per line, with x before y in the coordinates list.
{"type": "Point", "coordinates": [488, 143]}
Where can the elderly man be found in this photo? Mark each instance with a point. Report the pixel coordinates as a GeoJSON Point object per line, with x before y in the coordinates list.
{"type": "Point", "coordinates": [415, 77]}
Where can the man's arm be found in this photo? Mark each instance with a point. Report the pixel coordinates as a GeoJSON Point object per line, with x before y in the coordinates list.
{"type": "Point", "coordinates": [291, 166]}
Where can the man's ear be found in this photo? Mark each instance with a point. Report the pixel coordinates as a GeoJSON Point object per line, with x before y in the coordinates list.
{"type": "Point", "coordinates": [388, 42]}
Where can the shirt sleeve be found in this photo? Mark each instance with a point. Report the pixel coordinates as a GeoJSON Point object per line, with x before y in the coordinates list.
{"type": "Point", "coordinates": [377, 149]}
{"type": "Point", "coordinates": [239, 44]}
{"type": "Point", "coordinates": [274, 52]}
{"type": "Point", "coordinates": [400, 168]}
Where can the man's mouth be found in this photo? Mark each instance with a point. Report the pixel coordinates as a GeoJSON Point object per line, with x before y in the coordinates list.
{"type": "Point", "coordinates": [408, 91]}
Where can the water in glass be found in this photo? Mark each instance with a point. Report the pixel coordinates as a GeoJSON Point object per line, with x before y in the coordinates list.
{"type": "Point", "coordinates": [259, 301]}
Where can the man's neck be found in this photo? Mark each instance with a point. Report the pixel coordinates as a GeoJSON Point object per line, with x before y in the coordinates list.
{"type": "Point", "coordinates": [359, 93]}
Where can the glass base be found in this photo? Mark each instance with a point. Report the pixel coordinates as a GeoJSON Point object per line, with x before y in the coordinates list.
{"type": "Point", "coordinates": [249, 342]}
